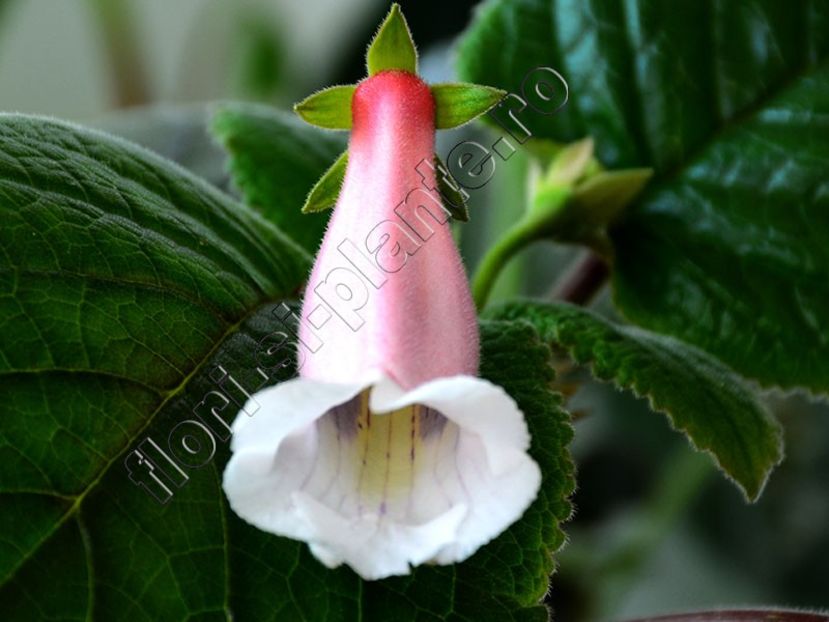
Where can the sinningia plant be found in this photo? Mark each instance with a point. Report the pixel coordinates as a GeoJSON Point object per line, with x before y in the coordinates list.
{"type": "Point", "coordinates": [387, 452]}
{"type": "Point", "coordinates": [202, 421]}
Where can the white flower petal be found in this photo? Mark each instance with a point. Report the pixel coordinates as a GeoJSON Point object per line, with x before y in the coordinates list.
{"type": "Point", "coordinates": [383, 483]}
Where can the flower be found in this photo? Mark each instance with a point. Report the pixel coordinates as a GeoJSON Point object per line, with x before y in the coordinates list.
{"type": "Point", "coordinates": [387, 452]}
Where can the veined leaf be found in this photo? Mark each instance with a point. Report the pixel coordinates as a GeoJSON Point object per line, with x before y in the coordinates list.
{"type": "Point", "coordinates": [727, 103]}
{"type": "Point", "coordinates": [121, 278]}
{"type": "Point", "coordinates": [701, 396]}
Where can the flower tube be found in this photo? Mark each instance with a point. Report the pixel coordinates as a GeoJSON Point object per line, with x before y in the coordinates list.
{"type": "Point", "coordinates": [387, 451]}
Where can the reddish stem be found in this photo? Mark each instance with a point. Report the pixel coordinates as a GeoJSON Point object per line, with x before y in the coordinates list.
{"type": "Point", "coordinates": [583, 281]}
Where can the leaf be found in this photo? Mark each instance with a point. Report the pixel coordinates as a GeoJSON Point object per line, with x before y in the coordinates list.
{"type": "Point", "coordinates": [702, 397]}
{"type": "Point", "coordinates": [329, 108]}
{"type": "Point", "coordinates": [121, 276]}
{"type": "Point", "coordinates": [326, 191]}
{"type": "Point", "coordinates": [733, 253]}
{"type": "Point", "coordinates": [506, 40]}
{"type": "Point", "coordinates": [392, 46]}
{"type": "Point", "coordinates": [275, 160]}
{"type": "Point", "coordinates": [459, 103]}
{"type": "Point", "coordinates": [728, 248]}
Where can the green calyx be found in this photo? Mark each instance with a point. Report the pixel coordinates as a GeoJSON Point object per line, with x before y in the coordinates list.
{"type": "Point", "coordinates": [393, 49]}
{"type": "Point", "coordinates": [595, 197]}
{"type": "Point", "coordinates": [329, 108]}
{"type": "Point", "coordinates": [573, 200]}
{"type": "Point", "coordinates": [392, 46]}
{"type": "Point", "coordinates": [459, 103]}
{"type": "Point", "coordinates": [324, 194]}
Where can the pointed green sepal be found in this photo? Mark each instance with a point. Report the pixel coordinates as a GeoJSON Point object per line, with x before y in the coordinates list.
{"type": "Point", "coordinates": [329, 108]}
{"type": "Point", "coordinates": [459, 103]}
{"type": "Point", "coordinates": [392, 46]}
{"type": "Point", "coordinates": [604, 195]}
{"type": "Point", "coordinates": [325, 192]}
{"type": "Point", "coordinates": [454, 197]}
{"type": "Point", "coordinates": [571, 163]}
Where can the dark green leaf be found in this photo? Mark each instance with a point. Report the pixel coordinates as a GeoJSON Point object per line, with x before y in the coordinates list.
{"type": "Point", "coordinates": [506, 41]}
{"type": "Point", "coordinates": [275, 160]}
{"type": "Point", "coordinates": [702, 397]}
{"type": "Point", "coordinates": [728, 248]}
{"type": "Point", "coordinates": [459, 103]}
{"type": "Point", "coordinates": [732, 254]}
{"type": "Point", "coordinates": [329, 108]}
{"type": "Point", "coordinates": [392, 46]}
{"type": "Point", "coordinates": [324, 194]}
{"type": "Point", "coordinates": [121, 277]}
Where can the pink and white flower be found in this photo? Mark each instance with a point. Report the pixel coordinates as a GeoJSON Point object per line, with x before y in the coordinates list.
{"type": "Point", "coordinates": [388, 451]}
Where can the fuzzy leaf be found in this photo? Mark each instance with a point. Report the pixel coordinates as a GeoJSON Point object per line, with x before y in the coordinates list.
{"type": "Point", "coordinates": [701, 396]}
{"type": "Point", "coordinates": [124, 283]}
{"type": "Point", "coordinates": [178, 286]}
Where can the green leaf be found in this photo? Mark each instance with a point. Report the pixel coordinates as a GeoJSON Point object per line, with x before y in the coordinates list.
{"type": "Point", "coordinates": [329, 108]}
{"type": "Point", "coordinates": [506, 40]}
{"type": "Point", "coordinates": [728, 248]}
{"type": "Point", "coordinates": [275, 160]}
{"type": "Point", "coordinates": [324, 194]}
{"type": "Point", "coordinates": [124, 283]}
{"type": "Point", "coordinates": [392, 46]}
{"type": "Point", "coordinates": [732, 254]}
{"type": "Point", "coordinates": [701, 396]}
{"type": "Point", "coordinates": [459, 103]}
{"type": "Point", "coordinates": [121, 277]}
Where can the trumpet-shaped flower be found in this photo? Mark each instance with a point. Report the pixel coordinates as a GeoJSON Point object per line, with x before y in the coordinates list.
{"type": "Point", "coordinates": [387, 452]}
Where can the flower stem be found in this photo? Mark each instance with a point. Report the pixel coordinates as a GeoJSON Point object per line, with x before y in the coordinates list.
{"type": "Point", "coordinates": [496, 259]}
{"type": "Point", "coordinates": [539, 222]}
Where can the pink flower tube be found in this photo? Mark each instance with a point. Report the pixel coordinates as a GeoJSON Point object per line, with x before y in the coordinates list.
{"type": "Point", "coordinates": [387, 452]}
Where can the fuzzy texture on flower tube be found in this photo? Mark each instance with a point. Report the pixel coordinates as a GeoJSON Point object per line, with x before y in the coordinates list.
{"type": "Point", "coordinates": [387, 452]}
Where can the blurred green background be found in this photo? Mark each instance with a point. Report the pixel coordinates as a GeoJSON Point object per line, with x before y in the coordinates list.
{"type": "Point", "coordinates": [148, 69]}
